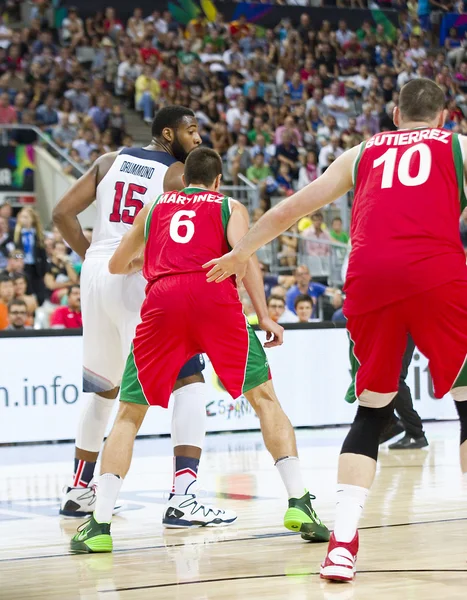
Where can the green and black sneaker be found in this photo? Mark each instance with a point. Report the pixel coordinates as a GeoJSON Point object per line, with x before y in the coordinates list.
{"type": "Point", "coordinates": [301, 517]}
{"type": "Point", "coordinates": [92, 537]}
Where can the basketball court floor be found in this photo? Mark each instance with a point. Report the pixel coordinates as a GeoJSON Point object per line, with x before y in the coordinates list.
{"type": "Point", "coordinates": [413, 536]}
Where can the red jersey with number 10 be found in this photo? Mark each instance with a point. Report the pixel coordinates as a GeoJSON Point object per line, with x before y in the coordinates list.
{"type": "Point", "coordinates": [409, 193]}
{"type": "Point", "coordinates": [184, 230]}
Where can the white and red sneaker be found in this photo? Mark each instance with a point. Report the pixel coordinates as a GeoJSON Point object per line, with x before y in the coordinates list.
{"type": "Point", "coordinates": [339, 564]}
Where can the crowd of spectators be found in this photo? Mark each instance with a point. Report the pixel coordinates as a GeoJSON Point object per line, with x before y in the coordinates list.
{"type": "Point", "coordinates": [39, 275]}
{"type": "Point", "coordinates": [280, 105]}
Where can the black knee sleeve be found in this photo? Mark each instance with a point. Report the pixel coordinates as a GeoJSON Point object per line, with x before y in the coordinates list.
{"type": "Point", "coordinates": [462, 412]}
{"type": "Point", "coordinates": [369, 423]}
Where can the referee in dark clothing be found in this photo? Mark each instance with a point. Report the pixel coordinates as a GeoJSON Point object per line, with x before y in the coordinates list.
{"type": "Point", "coordinates": [409, 419]}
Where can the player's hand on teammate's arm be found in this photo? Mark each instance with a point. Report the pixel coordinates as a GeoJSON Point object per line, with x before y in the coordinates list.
{"type": "Point", "coordinates": [224, 267]}
{"type": "Point", "coordinates": [274, 332]}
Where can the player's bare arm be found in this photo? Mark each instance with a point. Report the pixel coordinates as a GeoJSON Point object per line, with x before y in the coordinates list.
{"type": "Point", "coordinates": [81, 195]}
{"type": "Point", "coordinates": [334, 183]}
{"type": "Point", "coordinates": [128, 257]}
{"type": "Point", "coordinates": [238, 226]}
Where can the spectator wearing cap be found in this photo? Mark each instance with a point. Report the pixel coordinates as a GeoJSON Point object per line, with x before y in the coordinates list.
{"type": "Point", "coordinates": [17, 315]}
{"type": "Point", "coordinates": [15, 263]}
{"type": "Point", "coordinates": [7, 293]}
{"type": "Point", "coordinates": [69, 316]}
{"type": "Point", "coordinates": [105, 63]}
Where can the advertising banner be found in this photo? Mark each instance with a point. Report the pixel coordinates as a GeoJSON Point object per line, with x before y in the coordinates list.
{"type": "Point", "coordinates": [40, 387]}
{"type": "Point", "coordinates": [17, 167]}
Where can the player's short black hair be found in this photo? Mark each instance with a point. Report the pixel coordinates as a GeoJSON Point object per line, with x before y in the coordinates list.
{"type": "Point", "coordinates": [169, 116]}
{"type": "Point", "coordinates": [203, 165]}
{"type": "Point", "coordinates": [421, 100]}
{"type": "Point", "coordinates": [302, 298]}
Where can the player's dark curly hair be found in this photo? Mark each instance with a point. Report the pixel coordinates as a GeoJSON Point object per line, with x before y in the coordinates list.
{"type": "Point", "coordinates": [202, 166]}
{"type": "Point", "coordinates": [169, 116]}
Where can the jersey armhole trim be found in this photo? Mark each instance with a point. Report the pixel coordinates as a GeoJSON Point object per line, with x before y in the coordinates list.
{"type": "Point", "coordinates": [147, 223]}
{"type": "Point", "coordinates": [356, 163]}
{"type": "Point", "coordinates": [459, 163]}
{"type": "Point", "coordinates": [226, 211]}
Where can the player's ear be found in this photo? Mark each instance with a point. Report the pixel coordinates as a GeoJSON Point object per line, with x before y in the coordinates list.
{"type": "Point", "coordinates": [396, 116]}
{"type": "Point", "coordinates": [217, 182]}
{"type": "Point", "coordinates": [167, 134]}
{"type": "Point", "coordinates": [443, 115]}
{"type": "Point", "coordinates": [183, 180]}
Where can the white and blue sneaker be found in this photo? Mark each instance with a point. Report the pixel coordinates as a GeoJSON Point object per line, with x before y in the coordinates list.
{"type": "Point", "coordinates": [187, 511]}
{"type": "Point", "coordinates": [80, 502]}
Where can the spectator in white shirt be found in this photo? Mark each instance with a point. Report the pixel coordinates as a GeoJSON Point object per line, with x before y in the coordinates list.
{"type": "Point", "coordinates": [416, 52]}
{"type": "Point", "coordinates": [337, 105]}
{"type": "Point", "coordinates": [240, 113]}
{"type": "Point", "coordinates": [85, 145]}
{"type": "Point", "coordinates": [407, 74]}
{"type": "Point", "coordinates": [343, 35]}
{"type": "Point", "coordinates": [277, 311]}
{"type": "Point", "coordinates": [212, 59]}
{"type": "Point", "coordinates": [331, 149]}
{"type": "Point", "coordinates": [316, 101]}
{"type": "Point", "coordinates": [234, 55]}
{"type": "Point", "coordinates": [360, 83]}
{"type": "Point", "coordinates": [233, 91]}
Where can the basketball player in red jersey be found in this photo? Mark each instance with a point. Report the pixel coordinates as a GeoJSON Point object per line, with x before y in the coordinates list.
{"type": "Point", "coordinates": [122, 183]}
{"type": "Point", "coordinates": [406, 275]}
{"type": "Point", "coordinates": [182, 316]}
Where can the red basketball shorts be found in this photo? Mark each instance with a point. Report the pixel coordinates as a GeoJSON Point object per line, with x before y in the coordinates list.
{"type": "Point", "coordinates": [183, 315]}
{"type": "Point", "coordinates": [437, 322]}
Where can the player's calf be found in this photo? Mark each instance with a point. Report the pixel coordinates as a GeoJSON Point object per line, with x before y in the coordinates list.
{"type": "Point", "coordinates": [279, 438]}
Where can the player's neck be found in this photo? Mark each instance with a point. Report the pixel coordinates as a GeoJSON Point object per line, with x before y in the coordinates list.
{"type": "Point", "coordinates": [158, 146]}
{"type": "Point", "coordinates": [416, 125]}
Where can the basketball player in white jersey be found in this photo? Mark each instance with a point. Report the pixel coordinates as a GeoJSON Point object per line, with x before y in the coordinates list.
{"type": "Point", "coordinates": [122, 183]}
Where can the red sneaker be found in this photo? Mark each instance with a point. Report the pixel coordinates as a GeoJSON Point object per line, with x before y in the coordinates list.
{"type": "Point", "coordinates": [339, 564]}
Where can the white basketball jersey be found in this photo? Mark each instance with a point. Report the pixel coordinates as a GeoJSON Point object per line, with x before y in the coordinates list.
{"type": "Point", "coordinates": [135, 178]}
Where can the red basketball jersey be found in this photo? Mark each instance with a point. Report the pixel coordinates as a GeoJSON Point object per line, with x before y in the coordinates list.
{"type": "Point", "coordinates": [409, 193]}
{"type": "Point", "coordinates": [183, 231]}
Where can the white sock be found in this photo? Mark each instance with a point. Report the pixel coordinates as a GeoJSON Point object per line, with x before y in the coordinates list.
{"type": "Point", "coordinates": [290, 472]}
{"type": "Point", "coordinates": [349, 507]}
{"type": "Point", "coordinates": [108, 489]}
{"type": "Point", "coordinates": [93, 422]}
